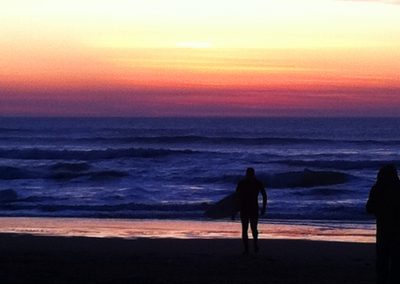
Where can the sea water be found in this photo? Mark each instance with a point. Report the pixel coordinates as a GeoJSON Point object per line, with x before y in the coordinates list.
{"type": "Point", "coordinates": [174, 168]}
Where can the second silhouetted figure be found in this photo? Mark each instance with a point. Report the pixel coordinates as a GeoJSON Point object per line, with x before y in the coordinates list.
{"type": "Point", "coordinates": [247, 192]}
{"type": "Point", "coordinates": [384, 203]}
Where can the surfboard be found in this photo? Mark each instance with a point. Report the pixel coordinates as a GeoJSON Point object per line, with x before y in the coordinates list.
{"type": "Point", "coordinates": [226, 207]}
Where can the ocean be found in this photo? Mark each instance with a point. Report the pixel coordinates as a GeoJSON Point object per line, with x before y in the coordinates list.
{"type": "Point", "coordinates": [174, 168]}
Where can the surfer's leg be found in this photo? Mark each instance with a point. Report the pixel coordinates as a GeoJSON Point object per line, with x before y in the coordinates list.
{"type": "Point", "coordinates": [254, 231]}
{"type": "Point", "coordinates": [245, 237]}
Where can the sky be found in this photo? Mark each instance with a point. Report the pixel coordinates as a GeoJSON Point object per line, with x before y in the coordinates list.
{"type": "Point", "coordinates": [200, 58]}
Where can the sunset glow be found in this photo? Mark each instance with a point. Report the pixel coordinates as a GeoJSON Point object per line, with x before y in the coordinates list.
{"type": "Point", "coordinates": [175, 57]}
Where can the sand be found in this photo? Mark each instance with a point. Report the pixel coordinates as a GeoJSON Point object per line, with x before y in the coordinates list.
{"type": "Point", "coordinates": [39, 259]}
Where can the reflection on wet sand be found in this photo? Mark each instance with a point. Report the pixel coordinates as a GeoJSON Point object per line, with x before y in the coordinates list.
{"type": "Point", "coordinates": [131, 229]}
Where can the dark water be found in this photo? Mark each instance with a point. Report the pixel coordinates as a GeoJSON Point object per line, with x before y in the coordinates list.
{"type": "Point", "coordinates": [175, 167]}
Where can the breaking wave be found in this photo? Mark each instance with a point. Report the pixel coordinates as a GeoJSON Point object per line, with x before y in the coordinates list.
{"type": "Point", "coordinates": [87, 155]}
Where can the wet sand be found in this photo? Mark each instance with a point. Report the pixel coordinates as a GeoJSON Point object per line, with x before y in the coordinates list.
{"type": "Point", "coordinates": [186, 229]}
{"type": "Point", "coordinates": [42, 259]}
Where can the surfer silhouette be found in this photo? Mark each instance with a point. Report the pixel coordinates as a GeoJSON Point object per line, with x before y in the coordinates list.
{"type": "Point", "coordinates": [384, 203]}
{"type": "Point", "coordinates": [247, 192]}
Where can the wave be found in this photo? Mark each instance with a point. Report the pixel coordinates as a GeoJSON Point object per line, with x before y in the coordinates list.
{"type": "Point", "coordinates": [207, 139]}
{"type": "Point", "coordinates": [10, 173]}
{"type": "Point", "coordinates": [70, 167]}
{"type": "Point", "coordinates": [9, 130]}
{"type": "Point", "coordinates": [91, 175]}
{"type": "Point", "coordinates": [65, 171]}
{"type": "Point", "coordinates": [61, 171]}
{"type": "Point", "coordinates": [340, 164]}
{"type": "Point", "coordinates": [306, 178]}
{"type": "Point", "coordinates": [184, 139]}
{"type": "Point", "coordinates": [317, 193]}
{"type": "Point", "coordinates": [217, 179]}
{"type": "Point", "coordinates": [107, 208]}
{"type": "Point", "coordinates": [88, 155]}
{"type": "Point", "coordinates": [243, 140]}
{"type": "Point", "coordinates": [41, 199]}
{"type": "Point", "coordinates": [8, 195]}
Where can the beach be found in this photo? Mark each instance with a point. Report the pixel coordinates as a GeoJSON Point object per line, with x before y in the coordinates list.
{"type": "Point", "coordinates": [40, 259]}
{"type": "Point", "coordinates": [62, 250]}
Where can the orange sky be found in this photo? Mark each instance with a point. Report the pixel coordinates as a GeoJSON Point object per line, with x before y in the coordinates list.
{"type": "Point", "coordinates": [176, 57]}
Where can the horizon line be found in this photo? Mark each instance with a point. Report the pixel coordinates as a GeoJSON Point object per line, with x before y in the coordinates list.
{"type": "Point", "coordinates": [200, 117]}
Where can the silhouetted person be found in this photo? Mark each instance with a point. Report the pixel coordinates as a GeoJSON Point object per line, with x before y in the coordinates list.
{"type": "Point", "coordinates": [247, 192]}
{"type": "Point", "coordinates": [384, 203]}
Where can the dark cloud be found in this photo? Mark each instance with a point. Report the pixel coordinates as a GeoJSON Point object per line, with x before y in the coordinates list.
{"type": "Point", "coordinates": [333, 101]}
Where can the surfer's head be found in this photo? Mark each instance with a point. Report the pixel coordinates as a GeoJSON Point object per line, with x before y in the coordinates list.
{"type": "Point", "coordinates": [250, 172]}
{"type": "Point", "coordinates": [388, 175]}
